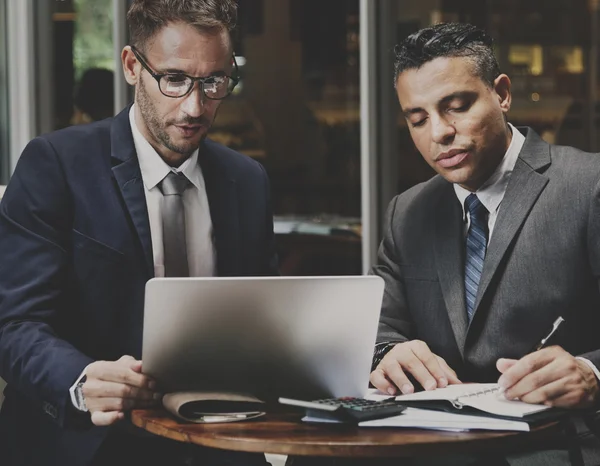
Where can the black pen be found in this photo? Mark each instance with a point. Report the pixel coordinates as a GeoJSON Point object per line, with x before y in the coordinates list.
{"type": "Point", "coordinates": [543, 341]}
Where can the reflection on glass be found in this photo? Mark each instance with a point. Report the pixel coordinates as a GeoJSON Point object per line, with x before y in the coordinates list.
{"type": "Point", "coordinates": [92, 41]}
{"type": "Point", "coordinates": [83, 61]}
{"type": "Point", "coordinates": [567, 59]}
{"type": "Point", "coordinates": [527, 58]}
{"type": "Point", "coordinates": [4, 120]}
{"type": "Point", "coordinates": [296, 110]}
{"type": "Point", "coordinates": [296, 107]}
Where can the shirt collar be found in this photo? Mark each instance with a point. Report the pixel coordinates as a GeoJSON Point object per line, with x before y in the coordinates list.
{"type": "Point", "coordinates": [492, 191]}
{"type": "Point", "coordinates": [153, 167]}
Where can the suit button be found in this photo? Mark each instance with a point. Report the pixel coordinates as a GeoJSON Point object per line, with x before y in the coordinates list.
{"type": "Point", "coordinates": [50, 410]}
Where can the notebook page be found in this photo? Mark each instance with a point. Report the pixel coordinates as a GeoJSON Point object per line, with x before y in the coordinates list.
{"type": "Point", "coordinates": [376, 395]}
{"type": "Point", "coordinates": [496, 403]}
{"type": "Point", "coordinates": [493, 403]}
{"type": "Point", "coordinates": [451, 392]}
{"type": "Point", "coordinates": [425, 419]}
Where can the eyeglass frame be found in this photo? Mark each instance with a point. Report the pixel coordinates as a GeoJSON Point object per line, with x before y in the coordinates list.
{"type": "Point", "coordinates": [158, 76]}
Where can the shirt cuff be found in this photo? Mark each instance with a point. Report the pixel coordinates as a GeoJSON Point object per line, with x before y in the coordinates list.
{"type": "Point", "coordinates": [72, 389]}
{"type": "Point", "coordinates": [591, 365]}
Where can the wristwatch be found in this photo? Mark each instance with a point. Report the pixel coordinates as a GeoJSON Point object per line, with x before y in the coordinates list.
{"type": "Point", "coordinates": [381, 349]}
{"type": "Point", "coordinates": [79, 398]}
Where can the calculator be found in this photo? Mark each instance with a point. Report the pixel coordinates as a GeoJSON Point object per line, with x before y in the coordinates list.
{"type": "Point", "coordinates": [347, 409]}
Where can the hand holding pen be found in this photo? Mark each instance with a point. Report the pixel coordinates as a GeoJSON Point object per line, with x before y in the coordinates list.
{"type": "Point", "coordinates": [549, 375]}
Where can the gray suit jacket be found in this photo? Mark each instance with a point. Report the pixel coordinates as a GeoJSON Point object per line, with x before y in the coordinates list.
{"type": "Point", "coordinates": [543, 261]}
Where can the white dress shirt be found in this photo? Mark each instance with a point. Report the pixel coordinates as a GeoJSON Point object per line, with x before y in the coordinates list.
{"type": "Point", "coordinates": [198, 224]}
{"type": "Point", "coordinates": [492, 192]}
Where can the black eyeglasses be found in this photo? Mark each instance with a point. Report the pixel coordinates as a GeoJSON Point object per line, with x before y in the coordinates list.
{"type": "Point", "coordinates": [175, 85]}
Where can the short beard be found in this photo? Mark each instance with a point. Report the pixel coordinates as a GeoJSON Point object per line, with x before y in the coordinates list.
{"type": "Point", "coordinates": [157, 127]}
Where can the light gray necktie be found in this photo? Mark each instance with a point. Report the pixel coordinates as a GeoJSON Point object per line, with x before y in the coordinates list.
{"type": "Point", "coordinates": [173, 220]}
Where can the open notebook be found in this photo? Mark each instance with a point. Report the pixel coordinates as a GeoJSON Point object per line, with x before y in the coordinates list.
{"type": "Point", "coordinates": [464, 407]}
{"type": "Point", "coordinates": [486, 397]}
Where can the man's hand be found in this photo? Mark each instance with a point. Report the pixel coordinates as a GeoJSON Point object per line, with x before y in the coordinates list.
{"type": "Point", "coordinates": [413, 357]}
{"type": "Point", "coordinates": [113, 387]}
{"type": "Point", "coordinates": [550, 376]}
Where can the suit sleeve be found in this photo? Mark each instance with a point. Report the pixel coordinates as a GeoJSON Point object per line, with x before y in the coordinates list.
{"type": "Point", "coordinates": [394, 322]}
{"type": "Point", "coordinates": [593, 244]}
{"type": "Point", "coordinates": [35, 229]}
{"type": "Point", "coordinates": [270, 265]}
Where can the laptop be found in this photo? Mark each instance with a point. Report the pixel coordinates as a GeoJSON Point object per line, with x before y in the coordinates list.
{"type": "Point", "coordinates": [296, 337]}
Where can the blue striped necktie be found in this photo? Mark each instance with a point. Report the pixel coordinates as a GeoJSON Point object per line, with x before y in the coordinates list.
{"type": "Point", "coordinates": [477, 239]}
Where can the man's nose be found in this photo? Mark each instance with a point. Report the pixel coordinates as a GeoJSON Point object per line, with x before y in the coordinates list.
{"type": "Point", "coordinates": [442, 130]}
{"type": "Point", "coordinates": [194, 103]}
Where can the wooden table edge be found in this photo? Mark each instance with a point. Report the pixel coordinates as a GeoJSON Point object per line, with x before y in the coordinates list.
{"type": "Point", "coordinates": [153, 421]}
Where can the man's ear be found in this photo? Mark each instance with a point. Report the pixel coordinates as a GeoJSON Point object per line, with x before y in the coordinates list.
{"type": "Point", "coordinates": [131, 67]}
{"type": "Point", "coordinates": [502, 90]}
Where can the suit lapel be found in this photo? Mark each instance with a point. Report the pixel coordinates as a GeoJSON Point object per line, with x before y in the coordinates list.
{"type": "Point", "coordinates": [126, 170]}
{"type": "Point", "coordinates": [449, 254]}
{"type": "Point", "coordinates": [522, 192]}
{"type": "Point", "coordinates": [222, 198]}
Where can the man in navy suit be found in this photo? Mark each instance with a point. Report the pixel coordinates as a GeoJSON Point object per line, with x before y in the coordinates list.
{"type": "Point", "coordinates": [84, 225]}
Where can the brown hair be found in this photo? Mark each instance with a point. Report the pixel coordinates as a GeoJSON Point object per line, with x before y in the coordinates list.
{"type": "Point", "coordinates": [146, 18]}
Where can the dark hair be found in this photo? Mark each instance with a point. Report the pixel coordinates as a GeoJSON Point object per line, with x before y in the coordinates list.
{"type": "Point", "coordinates": [94, 94]}
{"type": "Point", "coordinates": [146, 18]}
{"type": "Point", "coordinates": [448, 40]}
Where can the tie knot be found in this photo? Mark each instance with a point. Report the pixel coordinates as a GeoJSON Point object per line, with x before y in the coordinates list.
{"type": "Point", "coordinates": [174, 184]}
{"type": "Point", "coordinates": [474, 206]}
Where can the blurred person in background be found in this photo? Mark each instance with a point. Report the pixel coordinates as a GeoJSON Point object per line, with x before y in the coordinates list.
{"type": "Point", "coordinates": [94, 96]}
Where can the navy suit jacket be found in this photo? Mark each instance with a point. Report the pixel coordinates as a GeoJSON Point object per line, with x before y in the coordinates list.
{"type": "Point", "coordinates": [75, 255]}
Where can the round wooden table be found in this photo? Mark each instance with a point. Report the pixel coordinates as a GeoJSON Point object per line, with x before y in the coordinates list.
{"type": "Point", "coordinates": [283, 433]}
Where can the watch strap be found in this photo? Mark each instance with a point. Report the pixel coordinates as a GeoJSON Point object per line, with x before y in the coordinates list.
{"type": "Point", "coordinates": [381, 349]}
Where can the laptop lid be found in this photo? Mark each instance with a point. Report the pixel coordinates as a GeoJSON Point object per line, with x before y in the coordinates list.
{"type": "Point", "coordinates": [297, 337]}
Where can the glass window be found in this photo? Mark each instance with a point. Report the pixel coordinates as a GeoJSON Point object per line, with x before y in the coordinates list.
{"type": "Point", "coordinates": [296, 110]}
{"type": "Point", "coordinates": [83, 63]}
{"type": "Point", "coordinates": [4, 121]}
{"type": "Point", "coordinates": [548, 51]}
{"type": "Point", "coordinates": [93, 61]}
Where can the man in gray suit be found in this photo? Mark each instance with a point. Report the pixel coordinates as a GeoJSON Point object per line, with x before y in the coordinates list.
{"type": "Point", "coordinates": [480, 260]}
